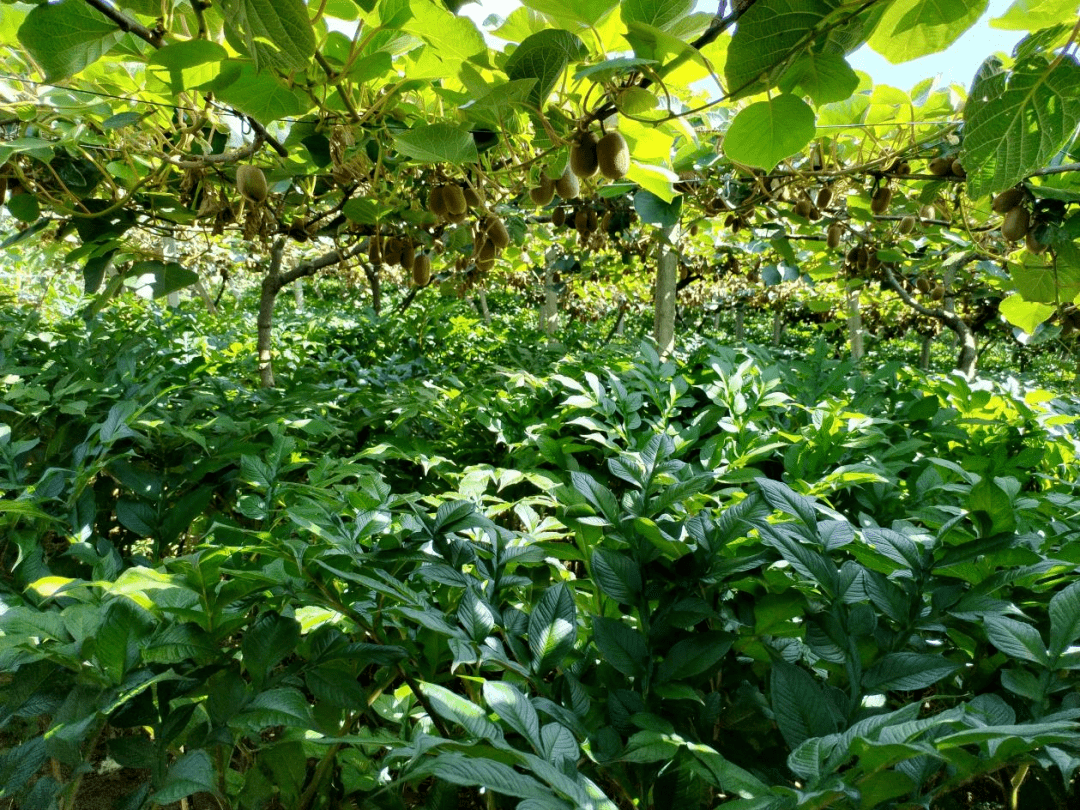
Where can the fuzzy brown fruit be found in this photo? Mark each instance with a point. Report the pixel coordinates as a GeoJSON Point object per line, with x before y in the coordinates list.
{"type": "Point", "coordinates": [391, 254]}
{"type": "Point", "coordinates": [1015, 225]}
{"type": "Point", "coordinates": [824, 197]}
{"type": "Point", "coordinates": [497, 233]}
{"type": "Point", "coordinates": [937, 293]}
{"type": "Point", "coordinates": [583, 158]}
{"type": "Point", "coordinates": [436, 202]}
{"type": "Point", "coordinates": [455, 199]}
{"type": "Point", "coordinates": [421, 270]}
{"type": "Point", "coordinates": [581, 221]}
{"type": "Point", "coordinates": [922, 285]}
{"type": "Point", "coordinates": [567, 185]}
{"type": "Point", "coordinates": [251, 183]}
{"type": "Point", "coordinates": [957, 168]}
{"type": "Point", "coordinates": [374, 252]}
{"type": "Point", "coordinates": [928, 212]}
{"type": "Point", "coordinates": [832, 236]}
{"type": "Point", "coordinates": [803, 208]}
{"type": "Point", "coordinates": [1033, 244]}
{"type": "Point", "coordinates": [472, 198]}
{"type": "Point", "coordinates": [879, 203]}
{"type": "Point", "coordinates": [613, 156]}
{"type": "Point", "coordinates": [907, 224]}
{"type": "Point", "coordinates": [558, 217]}
{"type": "Point", "coordinates": [1007, 200]}
{"type": "Point", "coordinates": [543, 193]}
{"type": "Point", "coordinates": [408, 257]}
{"type": "Point", "coordinates": [940, 166]}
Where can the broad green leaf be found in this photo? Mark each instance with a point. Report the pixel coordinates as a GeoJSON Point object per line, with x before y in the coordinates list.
{"type": "Point", "coordinates": [459, 710]}
{"type": "Point", "coordinates": [694, 656]}
{"type": "Point", "coordinates": [908, 672]}
{"type": "Point", "coordinates": [799, 705]}
{"type": "Point", "coordinates": [460, 770]}
{"type": "Point", "coordinates": [164, 277]}
{"type": "Point", "coordinates": [649, 746]}
{"type": "Point", "coordinates": [784, 499]}
{"type": "Point", "coordinates": [662, 14]}
{"type": "Point", "coordinates": [275, 32]}
{"type": "Point", "coordinates": [452, 37]}
{"type": "Point", "coordinates": [825, 77]}
{"type": "Point", "coordinates": [475, 616]}
{"type": "Point", "coordinates": [116, 642]}
{"type": "Point", "coordinates": [1064, 619]}
{"type": "Point", "coordinates": [515, 709]}
{"type": "Point", "coordinates": [1025, 314]}
{"type": "Point", "coordinates": [766, 132]}
{"type": "Point", "coordinates": [24, 207]}
{"type": "Point", "coordinates": [552, 628]}
{"type": "Point", "coordinates": [1031, 15]}
{"type": "Point", "coordinates": [136, 516]}
{"type": "Point", "coordinates": [190, 63]}
{"type": "Point", "coordinates": [987, 498]}
{"type": "Point", "coordinates": [267, 641]}
{"type": "Point", "coordinates": [1007, 136]}
{"type": "Point", "coordinates": [913, 28]}
{"type": "Point", "coordinates": [275, 707]}
{"type": "Point", "coordinates": [438, 143]}
{"type": "Point", "coordinates": [586, 12]}
{"type": "Point", "coordinates": [620, 645]}
{"type": "Point", "coordinates": [1016, 639]}
{"type": "Point", "coordinates": [656, 211]}
{"type": "Point", "coordinates": [764, 39]}
{"type": "Point", "coordinates": [544, 56]}
{"type": "Point", "coordinates": [262, 96]}
{"type": "Point", "coordinates": [65, 37]}
{"type": "Point", "coordinates": [655, 180]}
{"type": "Point", "coordinates": [599, 497]}
{"type": "Point", "coordinates": [617, 575]}
{"type": "Point", "coordinates": [191, 773]}
{"type": "Point", "coordinates": [364, 211]}
{"type": "Point", "coordinates": [725, 775]}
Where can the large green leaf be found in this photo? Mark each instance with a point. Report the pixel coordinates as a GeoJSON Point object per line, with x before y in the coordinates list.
{"type": "Point", "coordinates": [544, 56]}
{"type": "Point", "coordinates": [164, 277]}
{"type": "Point", "coordinates": [907, 671]}
{"type": "Point", "coordinates": [825, 77]}
{"type": "Point", "coordinates": [1025, 314]}
{"type": "Point", "coordinates": [584, 12]}
{"type": "Point", "coordinates": [515, 709]}
{"type": "Point", "coordinates": [1064, 619]}
{"type": "Point", "coordinates": [459, 710]}
{"type": "Point", "coordinates": [192, 773]}
{"type": "Point", "coordinates": [262, 96]}
{"type": "Point", "coordinates": [65, 37]}
{"type": "Point", "coordinates": [764, 39]}
{"type": "Point", "coordinates": [116, 642]}
{"type": "Point", "coordinates": [662, 14]}
{"type": "Point", "coordinates": [694, 656]}
{"type": "Point", "coordinates": [1031, 15]}
{"type": "Point", "coordinates": [620, 645]}
{"type": "Point", "coordinates": [766, 132]}
{"type": "Point", "coordinates": [453, 38]}
{"type": "Point", "coordinates": [1009, 135]}
{"type": "Point", "coordinates": [438, 143]}
{"type": "Point", "coordinates": [552, 628]}
{"type": "Point", "coordinates": [913, 28]}
{"type": "Point", "coordinates": [1016, 639]}
{"type": "Point", "coordinates": [275, 32]}
{"type": "Point", "coordinates": [486, 773]}
{"type": "Point", "coordinates": [617, 575]}
{"type": "Point", "coordinates": [799, 705]}
{"type": "Point", "coordinates": [267, 641]}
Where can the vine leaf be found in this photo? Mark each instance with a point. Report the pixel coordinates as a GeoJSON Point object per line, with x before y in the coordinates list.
{"type": "Point", "coordinates": [274, 33]}
{"type": "Point", "coordinates": [66, 37]}
{"type": "Point", "coordinates": [766, 132]}
{"type": "Point", "coordinates": [913, 28]}
{"type": "Point", "coordinates": [544, 56]}
{"type": "Point", "coordinates": [1012, 132]}
{"type": "Point", "coordinates": [438, 143]}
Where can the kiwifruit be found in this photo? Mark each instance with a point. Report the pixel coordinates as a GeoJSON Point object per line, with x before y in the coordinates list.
{"type": "Point", "coordinates": [251, 183]}
{"type": "Point", "coordinates": [457, 219]}
{"type": "Point", "coordinates": [583, 158]}
{"type": "Point", "coordinates": [832, 236]}
{"type": "Point", "coordinates": [693, 228]}
{"type": "Point", "coordinates": [940, 166]}
{"type": "Point", "coordinates": [902, 167]}
{"type": "Point", "coordinates": [593, 221]}
{"type": "Point", "coordinates": [567, 185]}
{"type": "Point", "coordinates": [605, 223]}
{"type": "Point", "coordinates": [803, 208]}
{"type": "Point", "coordinates": [436, 201]}
{"type": "Point", "coordinates": [872, 261]}
{"type": "Point", "coordinates": [824, 197]}
{"type": "Point", "coordinates": [922, 284]}
{"type": "Point", "coordinates": [497, 233]}
{"type": "Point", "coordinates": [613, 156]}
{"type": "Point", "coordinates": [815, 214]}
{"type": "Point", "coordinates": [558, 217]}
{"type": "Point", "coordinates": [937, 293]}
{"type": "Point", "coordinates": [907, 224]}
{"type": "Point", "coordinates": [543, 193]}
{"type": "Point", "coordinates": [3, 189]}
{"type": "Point", "coordinates": [862, 258]}
{"type": "Point", "coordinates": [374, 252]}
{"type": "Point", "coordinates": [487, 251]}
{"type": "Point", "coordinates": [1007, 200]}
{"type": "Point", "coordinates": [581, 220]}
{"type": "Point", "coordinates": [1015, 225]}
{"type": "Point", "coordinates": [408, 256]}
{"type": "Point", "coordinates": [391, 253]}
{"type": "Point", "coordinates": [928, 212]}
{"type": "Point", "coordinates": [472, 198]}
{"type": "Point", "coordinates": [421, 270]}
{"type": "Point", "coordinates": [729, 220]}
{"type": "Point", "coordinates": [957, 168]}
{"type": "Point", "coordinates": [455, 199]}
{"type": "Point", "coordinates": [879, 203]}
{"type": "Point", "coordinates": [1033, 244]}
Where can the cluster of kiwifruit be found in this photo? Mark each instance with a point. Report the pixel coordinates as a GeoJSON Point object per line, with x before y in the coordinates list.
{"type": "Point", "coordinates": [936, 290]}
{"type": "Point", "coordinates": [861, 260]}
{"type": "Point", "coordinates": [608, 156]}
{"type": "Point", "coordinates": [490, 239]}
{"type": "Point", "coordinates": [400, 251]}
{"type": "Point", "coordinates": [451, 202]}
{"type": "Point", "coordinates": [1016, 223]}
{"type": "Point", "coordinates": [946, 166]}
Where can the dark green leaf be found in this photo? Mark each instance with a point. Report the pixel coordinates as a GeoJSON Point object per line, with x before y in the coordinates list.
{"type": "Point", "coordinates": [1064, 619]}
{"type": "Point", "coordinates": [66, 37]}
{"type": "Point", "coordinates": [465, 713]}
{"type": "Point", "coordinates": [515, 710]}
{"type": "Point", "coordinates": [907, 671]}
{"type": "Point", "coordinates": [544, 56]}
{"type": "Point", "coordinates": [496, 776]}
{"type": "Point", "coordinates": [192, 773]}
{"type": "Point", "coordinates": [552, 628]}
{"type": "Point", "coordinates": [800, 706]}
{"type": "Point", "coordinates": [1016, 639]}
{"type": "Point", "coordinates": [267, 641]}
{"type": "Point", "coordinates": [766, 132]}
{"type": "Point", "coordinates": [620, 645]}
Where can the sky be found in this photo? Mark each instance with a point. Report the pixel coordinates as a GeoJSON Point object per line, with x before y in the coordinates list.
{"type": "Point", "coordinates": [957, 64]}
